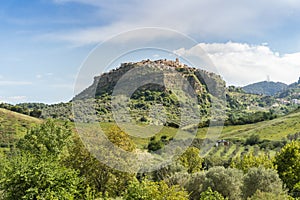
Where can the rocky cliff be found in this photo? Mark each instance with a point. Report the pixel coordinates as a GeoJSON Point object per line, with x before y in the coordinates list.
{"type": "Point", "coordinates": [200, 80]}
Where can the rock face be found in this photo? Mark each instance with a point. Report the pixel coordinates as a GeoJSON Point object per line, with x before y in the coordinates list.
{"type": "Point", "coordinates": [164, 73]}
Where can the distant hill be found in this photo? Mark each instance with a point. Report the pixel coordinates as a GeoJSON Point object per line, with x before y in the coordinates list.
{"type": "Point", "coordinates": [268, 88]}
{"type": "Point", "coordinates": [240, 107]}
{"type": "Point", "coordinates": [291, 92]}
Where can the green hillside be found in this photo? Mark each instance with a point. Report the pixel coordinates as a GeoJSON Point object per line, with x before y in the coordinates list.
{"type": "Point", "coordinates": [266, 88]}
{"type": "Point", "coordinates": [275, 129]}
{"type": "Point", "coordinates": [270, 131]}
{"type": "Point", "coordinates": [13, 125]}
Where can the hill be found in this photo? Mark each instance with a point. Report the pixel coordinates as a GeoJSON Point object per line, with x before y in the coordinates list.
{"type": "Point", "coordinates": [291, 92]}
{"type": "Point", "coordinates": [233, 105]}
{"type": "Point", "coordinates": [164, 70]}
{"type": "Point", "coordinates": [241, 108]}
{"type": "Point", "coordinates": [13, 125]}
{"type": "Point", "coordinates": [265, 87]}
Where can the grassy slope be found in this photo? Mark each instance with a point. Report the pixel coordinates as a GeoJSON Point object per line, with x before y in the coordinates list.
{"type": "Point", "coordinates": [272, 130]}
{"type": "Point", "coordinates": [17, 124]}
{"type": "Point", "coordinates": [14, 125]}
{"type": "Point", "coordinates": [275, 129]}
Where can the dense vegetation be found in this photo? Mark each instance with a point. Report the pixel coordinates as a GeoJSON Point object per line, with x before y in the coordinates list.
{"type": "Point", "coordinates": [268, 88]}
{"type": "Point", "coordinates": [50, 162]}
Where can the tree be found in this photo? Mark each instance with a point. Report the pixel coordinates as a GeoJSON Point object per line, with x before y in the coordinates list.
{"type": "Point", "coordinates": [225, 181]}
{"type": "Point", "coordinates": [100, 177]}
{"type": "Point", "coordinates": [120, 138]}
{"type": "Point", "coordinates": [30, 177]}
{"type": "Point", "coordinates": [48, 138]}
{"type": "Point", "coordinates": [252, 140]}
{"type": "Point", "coordinates": [249, 160]}
{"type": "Point", "coordinates": [258, 195]}
{"type": "Point", "coordinates": [148, 190]}
{"type": "Point", "coordinates": [191, 160]}
{"type": "Point", "coordinates": [34, 171]}
{"type": "Point", "coordinates": [264, 180]}
{"type": "Point", "coordinates": [211, 195]}
{"type": "Point", "coordinates": [35, 113]}
{"type": "Point", "coordinates": [288, 164]}
{"type": "Point", "coordinates": [195, 184]}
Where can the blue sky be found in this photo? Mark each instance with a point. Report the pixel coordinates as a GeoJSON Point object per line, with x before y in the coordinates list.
{"type": "Point", "coordinates": [44, 42]}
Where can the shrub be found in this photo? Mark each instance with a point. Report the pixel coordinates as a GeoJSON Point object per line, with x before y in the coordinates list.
{"type": "Point", "coordinates": [148, 190]}
{"type": "Point", "coordinates": [288, 164]}
{"type": "Point", "coordinates": [194, 186]}
{"type": "Point", "coordinates": [191, 160]}
{"type": "Point", "coordinates": [252, 140]}
{"type": "Point", "coordinates": [211, 195]}
{"type": "Point", "coordinates": [264, 180]}
{"type": "Point", "coordinates": [225, 181]}
{"type": "Point", "coordinates": [258, 195]}
{"type": "Point", "coordinates": [249, 160]}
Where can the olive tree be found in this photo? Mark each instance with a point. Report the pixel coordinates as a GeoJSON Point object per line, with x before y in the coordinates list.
{"type": "Point", "coordinates": [264, 180]}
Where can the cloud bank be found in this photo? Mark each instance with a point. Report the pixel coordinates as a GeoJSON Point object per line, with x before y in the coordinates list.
{"type": "Point", "coordinates": [214, 19]}
{"type": "Point", "coordinates": [241, 63]}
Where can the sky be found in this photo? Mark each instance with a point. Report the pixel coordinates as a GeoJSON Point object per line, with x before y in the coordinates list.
{"type": "Point", "coordinates": [44, 43]}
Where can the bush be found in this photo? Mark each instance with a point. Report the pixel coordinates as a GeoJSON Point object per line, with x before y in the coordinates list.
{"type": "Point", "coordinates": [288, 164]}
{"type": "Point", "coordinates": [148, 190]}
{"type": "Point", "coordinates": [211, 195]}
{"type": "Point", "coordinates": [268, 196]}
{"type": "Point", "coordinates": [252, 140]}
{"type": "Point", "coordinates": [225, 181]}
{"type": "Point", "coordinates": [28, 177]}
{"type": "Point", "coordinates": [264, 180]}
{"type": "Point", "coordinates": [155, 145]}
{"type": "Point", "coordinates": [194, 186]}
{"type": "Point", "coordinates": [249, 160]}
{"type": "Point", "coordinates": [191, 160]}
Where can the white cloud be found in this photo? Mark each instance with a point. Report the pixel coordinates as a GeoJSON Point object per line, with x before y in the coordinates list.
{"type": "Point", "coordinates": [64, 86]}
{"type": "Point", "coordinates": [13, 99]}
{"type": "Point", "coordinates": [14, 83]}
{"type": "Point", "coordinates": [241, 64]}
{"type": "Point", "coordinates": [40, 76]}
{"type": "Point", "coordinates": [202, 19]}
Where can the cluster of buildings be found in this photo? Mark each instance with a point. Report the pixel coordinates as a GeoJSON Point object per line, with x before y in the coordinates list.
{"type": "Point", "coordinates": [293, 101]}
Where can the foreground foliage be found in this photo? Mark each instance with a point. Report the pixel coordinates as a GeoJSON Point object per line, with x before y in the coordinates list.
{"type": "Point", "coordinates": [288, 166]}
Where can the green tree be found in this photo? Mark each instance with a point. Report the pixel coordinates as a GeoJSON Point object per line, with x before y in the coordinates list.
{"type": "Point", "coordinates": [48, 138]}
{"type": "Point", "coordinates": [288, 164]}
{"type": "Point", "coordinates": [120, 138]}
{"type": "Point", "coordinates": [252, 140]}
{"type": "Point", "coordinates": [264, 180]}
{"type": "Point", "coordinates": [100, 177]}
{"type": "Point", "coordinates": [258, 195]}
{"type": "Point", "coordinates": [211, 195]}
{"type": "Point", "coordinates": [191, 160]}
{"type": "Point", "coordinates": [30, 177]}
{"type": "Point", "coordinates": [226, 181]}
{"type": "Point", "coordinates": [34, 171]}
{"type": "Point", "coordinates": [195, 184]}
{"type": "Point", "coordinates": [250, 160]}
{"type": "Point", "coordinates": [148, 190]}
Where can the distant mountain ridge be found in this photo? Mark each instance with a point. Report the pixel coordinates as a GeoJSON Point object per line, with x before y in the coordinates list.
{"type": "Point", "coordinates": [267, 88]}
{"type": "Point", "coordinates": [291, 92]}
